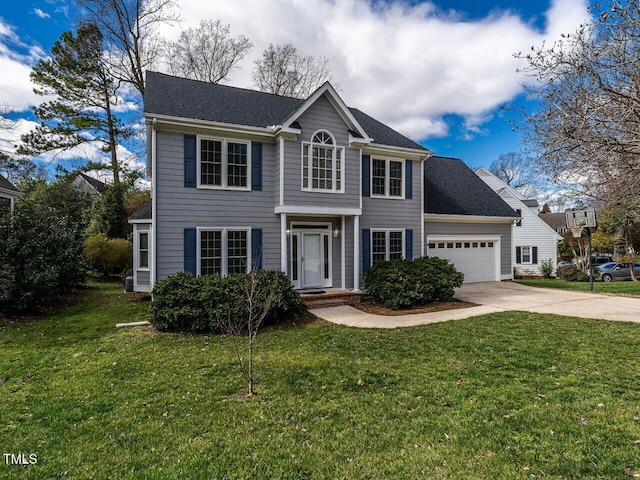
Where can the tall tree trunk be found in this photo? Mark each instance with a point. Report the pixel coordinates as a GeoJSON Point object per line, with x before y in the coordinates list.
{"type": "Point", "coordinates": [112, 139]}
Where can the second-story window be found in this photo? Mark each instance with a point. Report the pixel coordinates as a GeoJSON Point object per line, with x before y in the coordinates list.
{"type": "Point", "coordinates": [322, 164]}
{"type": "Point", "coordinates": [387, 178]}
{"type": "Point", "coordinates": [224, 164]}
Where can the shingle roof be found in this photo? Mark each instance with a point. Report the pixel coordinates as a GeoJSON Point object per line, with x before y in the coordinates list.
{"type": "Point", "coordinates": [95, 183]}
{"type": "Point", "coordinates": [452, 188]}
{"type": "Point", "coordinates": [144, 212]}
{"type": "Point", "coordinates": [184, 98]}
{"type": "Point", "coordinates": [554, 220]}
{"type": "Point", "coordinates": [7, 185]}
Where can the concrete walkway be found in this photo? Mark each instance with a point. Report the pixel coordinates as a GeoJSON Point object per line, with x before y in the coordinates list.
{"type": "Point", "coordinates": [498, 297]}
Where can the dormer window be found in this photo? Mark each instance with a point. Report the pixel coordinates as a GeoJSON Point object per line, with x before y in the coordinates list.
{"type": "Point", "coordinates": [322, 164]}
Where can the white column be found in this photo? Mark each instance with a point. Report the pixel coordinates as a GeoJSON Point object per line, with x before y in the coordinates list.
{"type": "Point", "coordinates": [283, 243]}
{"type": "Point", "coordinates": [356, 254]}
{"type": "Point", "coordinates": [343, 255]}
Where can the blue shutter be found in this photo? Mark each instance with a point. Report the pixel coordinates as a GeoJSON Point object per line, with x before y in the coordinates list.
{"type": "Point", "coordinates": [190, 246]}
{"type": "Point", "coordinates": [366, 249]}
{"type": "Point", "coordinates": [366, 175]}
{"type": "Point", "coordinates": [256, 166]}
{"type": "Point", "coordinates": [190, 170]}
{"type": "Point", "coordinates": [256, 249]}
{"type": "Point", "coordinates": [408, 240]}
{"type": "Point", "coordinates": [408, 179]}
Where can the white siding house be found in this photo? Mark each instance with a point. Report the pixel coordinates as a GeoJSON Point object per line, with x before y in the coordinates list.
{"type": "Point", "coordinates": [533, 240]}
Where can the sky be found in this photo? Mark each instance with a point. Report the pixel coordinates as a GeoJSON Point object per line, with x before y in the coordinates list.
{"type": "Point", "coordinates": [438, 71]}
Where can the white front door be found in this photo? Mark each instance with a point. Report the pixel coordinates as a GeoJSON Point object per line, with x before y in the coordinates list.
{"type": "Point", "coordinates": [312, 261]}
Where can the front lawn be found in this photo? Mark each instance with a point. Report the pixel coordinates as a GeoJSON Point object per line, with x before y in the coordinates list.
{"type": "Point", "coordinates": [616, 288]}
{"type": "Point", "coordinates": [511, 395]}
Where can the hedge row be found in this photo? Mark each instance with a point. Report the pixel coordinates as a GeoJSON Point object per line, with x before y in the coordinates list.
{"type": "Point", "coordinates": [183, 303]}
{"type": "Point", "coordinates": [407, 283]}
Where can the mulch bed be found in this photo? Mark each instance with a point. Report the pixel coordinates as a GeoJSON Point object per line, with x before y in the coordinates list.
{"type": "Point", "coordinates": [370, 306]}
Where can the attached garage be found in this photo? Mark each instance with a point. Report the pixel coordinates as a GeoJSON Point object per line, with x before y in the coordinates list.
{"type": "Point", "coordinates": [477, 257]}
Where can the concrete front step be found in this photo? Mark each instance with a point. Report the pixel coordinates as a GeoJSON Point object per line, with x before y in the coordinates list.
{"type": "Point", "coordinates": [332, 298]}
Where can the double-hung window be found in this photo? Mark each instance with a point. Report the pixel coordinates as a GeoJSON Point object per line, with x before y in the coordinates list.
{"type": "Point", "coordinates": [224, 164]}
{"type": "Point", "coordinates": [223, 251]}
{"type": "Point", "coordinates": [387, 178]}
{"type": "Point", "coordinates": [322, 164]}
{"type": "Point", "coordinates": [143, 250]}
{"type": "Point", "coordinates": [526, 255]}
{"type": "Point", "coordinates": [387, 245]}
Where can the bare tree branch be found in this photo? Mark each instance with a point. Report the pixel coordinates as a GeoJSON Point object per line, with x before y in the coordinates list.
{"type": "Point", "coordinates": [282, 71]}
{"type": "Point", "coordinates": [207, 53]}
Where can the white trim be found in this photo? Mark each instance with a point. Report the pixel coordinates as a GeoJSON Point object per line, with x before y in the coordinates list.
{"type": "Point", "coordinates": [140, 220]}
{"type": "Point", "coordinates": [334, 147]}
{"type": "Point", "coordinates": [422, 207]}
{"type": "Point", "coordinates": [497, 245]}
{"type": "Point", "coordinates": [324, 211]}
{"type": "Point", "coordinates": [224, 264]}
{"type": "Point", "coordinates": [224, 170]}
{"type": "Point", "coordinates": [283, 243]}
{"type": "Point", "coordinates": [387, 244]}
{"type": "Point", "coordinates": [282, 158]}
{"type": "Point", "coordinates": [6, 193]}
{"type": "Point", "coordinates": [208, 124]}
{"type": "Point", "coordinates": [356, 254]}
{"type": "Point", "coordinates": [154, 202]}
{"type": "Point", "coordinates": [343, 252]}
{"type": "Point", "coordinates": [337, 103]}
{"type": "Point", "coordinates": [446, 218]}
{"type": "Point", "coordinates": [522, 262]}
{"type": "Point", "coordinates": [392, 151]}
{"type": "Point", "coordinates": [360, 177]}
{"type": "Point", "coordinates": [136, 249]}
{"type": "Point", "coordinates": [387, 178]}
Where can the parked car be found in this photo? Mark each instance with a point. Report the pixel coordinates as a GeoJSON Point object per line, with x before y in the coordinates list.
{"type": "Point", "coordinates": [597, 260]}
{"type": "Point", "coordinates": [617, 271]}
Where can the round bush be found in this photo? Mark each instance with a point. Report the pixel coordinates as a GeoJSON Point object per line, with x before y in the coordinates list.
{"type": "Point", "coordinates": [108, 255]}
{"type": "Point", "coordinates": [408, 283]}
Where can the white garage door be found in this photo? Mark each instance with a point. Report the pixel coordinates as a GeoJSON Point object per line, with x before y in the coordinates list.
{"type": "Point", "coordinates": [476, 258]}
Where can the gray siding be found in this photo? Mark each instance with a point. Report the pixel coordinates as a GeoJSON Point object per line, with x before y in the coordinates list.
{"type": "Point", "coordinates": [388, 213]}
{"type": "Point", "coordinates": [179, 207]}
{"type": "Point", "coordinates": [502, 230]}
{"type": "Point", "coordinates": [143, 278]}
{"type": "Point", "coordinates": [321, 116]}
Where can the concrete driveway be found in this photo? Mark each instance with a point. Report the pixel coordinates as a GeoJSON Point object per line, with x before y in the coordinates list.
{"type": "Point", "coordinates": [513, 296]}
{"type": "Point", "coordinates": [495, 297]}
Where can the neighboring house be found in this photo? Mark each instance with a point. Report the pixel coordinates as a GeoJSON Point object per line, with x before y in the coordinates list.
{"type": "Point", "coordinates": [244, 179]}
{"type": "Point", "coordinates": [88, 185]}
{"type": "Point", "coordinates": [466, 222]}
{"type": "Point", "coordinates": [8, 195]}
{"type": "Point", "coordinates": [533, 239]}
{"type": "Point", "coordinates": [557, 221]}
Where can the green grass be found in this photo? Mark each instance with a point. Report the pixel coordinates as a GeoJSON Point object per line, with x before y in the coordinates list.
{"type": "Point", "coordinates": [511, 395]}
{"type": "Point", "coordinates": [615, 288]}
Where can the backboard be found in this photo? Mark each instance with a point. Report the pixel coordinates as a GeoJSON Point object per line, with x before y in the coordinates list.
{"type": "Point", "coordinates": [581, 218]}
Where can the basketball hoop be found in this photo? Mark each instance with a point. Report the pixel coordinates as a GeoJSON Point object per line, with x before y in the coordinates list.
{"type": "Point", "coordinates": [576, 230]}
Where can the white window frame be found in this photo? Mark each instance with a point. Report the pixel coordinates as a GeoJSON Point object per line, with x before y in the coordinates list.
{"type": "Point", "coordinates": [387, 244]}
{"type": "Point", "coordinates": [138, 250]}
{"type": "Point", "coordinates": [530, 254]}
{"type": "Point", "coordinates": [225, 163]}
{"type": "Point", "coordinates": [225, 247]}
{"type": "Point", "coordinates": [309, 167]}
{"type": "Point", "coordinates": [387, 178]}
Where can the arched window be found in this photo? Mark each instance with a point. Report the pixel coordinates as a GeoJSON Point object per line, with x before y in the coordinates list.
{"type": "Point", "coordinates": [322, 163]}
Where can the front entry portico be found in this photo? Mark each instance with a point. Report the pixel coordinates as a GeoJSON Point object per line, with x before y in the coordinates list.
{"type": "Point", "coordinates": [310, 247]}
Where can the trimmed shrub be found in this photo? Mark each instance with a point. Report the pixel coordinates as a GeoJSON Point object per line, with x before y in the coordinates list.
{"type": "Point", "coordinates": [109, 256]}
{"type": "Point", "coordinates": [183, 303]}
{"type": "Point", "coordinates": [546, 268]}
{"type": "Point", "coordinates": [408, 283]}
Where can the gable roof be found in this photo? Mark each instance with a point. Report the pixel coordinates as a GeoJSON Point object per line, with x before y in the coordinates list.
{"type": "Point", "coordinates": [452, 188]}
{"type": "Point", "coordinates": [171, 96]}
{"type": "Point", "coordinates": [554, 220]}
{"type": "Point", "coordinates": [95, 183]}
{"type": "Point", "coordinates": [144, 212]}
{"type": "Point", "coordinates": [7, 185]}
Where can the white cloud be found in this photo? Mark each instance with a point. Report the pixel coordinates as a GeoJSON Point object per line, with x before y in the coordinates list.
{"type": "Point", "coordinates": [40, 13]}
{"type": "Point", "coordinates": [16, 60]}
{"type": "Point", "coordinates": [405, 65]}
